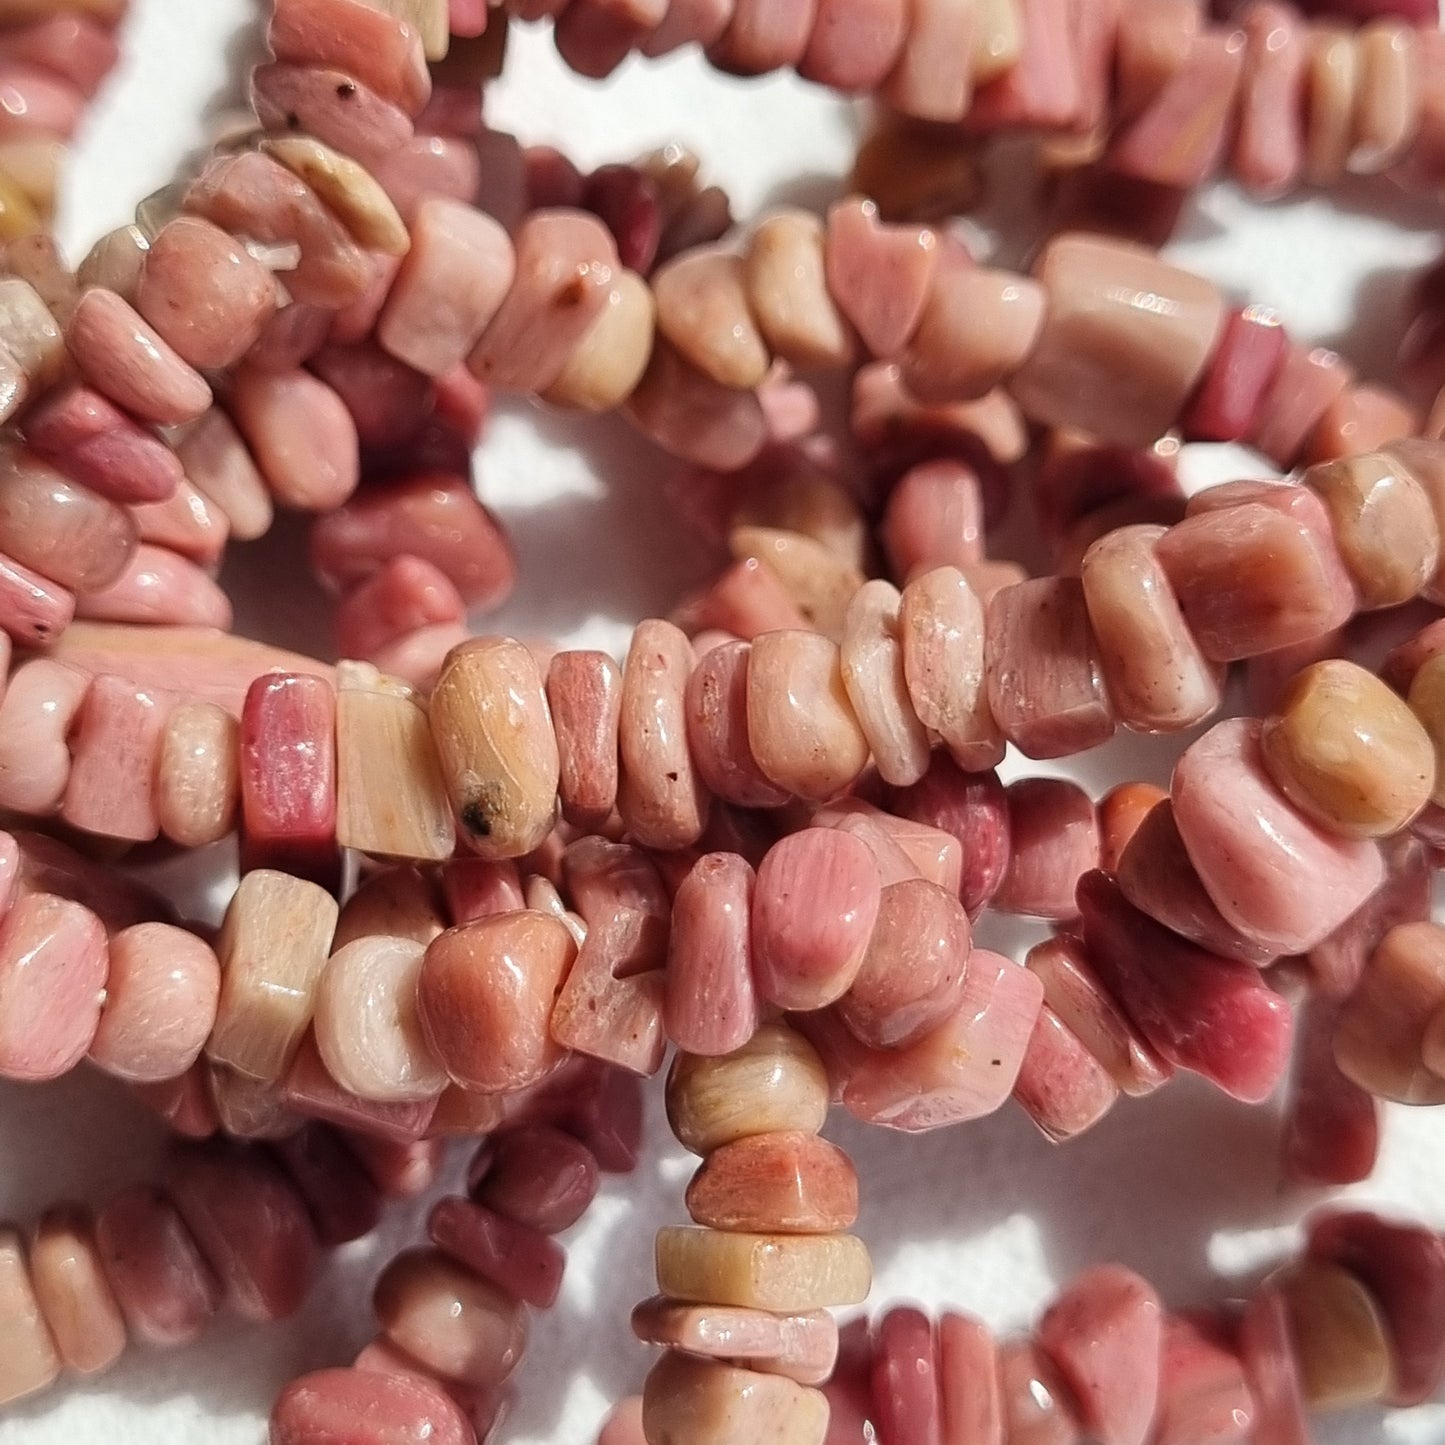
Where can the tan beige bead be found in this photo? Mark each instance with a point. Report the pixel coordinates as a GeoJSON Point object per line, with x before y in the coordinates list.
{"type": "Point", "coordinates": [690, 1401]}
{"type": "Point", "coordinates": [1387, 108]}
{"type": "Point", "coordinates": [30, 166]}
{"type": "Point", "coordinates": [1427, 702]}
{"type": "Point", "coordinates": [811, 501]}
{"type": "Point", "coordinates": [28, 1359]}
{"type": "Point", "coordinates": [606, 365]}
{"type": "Point", "coordinates": [917, 173]}
{"type": "Point", "coordinates": [198, 780]}
{"type": "Point", "coordinates": [397, 902]}
{"type": "Point", "coordinates": [1383, 523]}
{"type": "Point", "coordinates": [702, 309]}
{"type": "Point", "coordinates": [1340, 1346]}
{"type": "Point", "coordinates": [820, 582]}
{"type": "Point", "coordinates": [1348, 753]}
{"type": "Point", "coordinates": [348, 189]}
{"type": "Point", "coordinates": [1332, 79]}
{"type": "Point", "coordinates": [429, 18]}
{"type": "Point", "coordinates": [272, 947]}
{"type": "Point", "coordinates": [788, 292]}
{"type": "Point", "coordinates": [663, 802]}
{"type": "Point", "coordinates": [775, 1082]}
{"type": "Point", "coordinates": [872, 660]}
{"type": "Point", "coordinates": [74, 1295]}
{"type": "Point", "coordinates": [390, 798]}
{"type": "Point", "coordinates": [1380, 1033]}
{"type": "Point", "coordinates": [802, 729]}
{"type": "Point", "coordinates": [498, 751]}
{"type": "Point", "coordinates": [785, 1273]}
{"type": "Point", "coordinates": [115, 261]}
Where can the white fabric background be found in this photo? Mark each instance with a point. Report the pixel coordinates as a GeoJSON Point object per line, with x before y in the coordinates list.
{"type": "Point", "coordinates": [1184, 1187]}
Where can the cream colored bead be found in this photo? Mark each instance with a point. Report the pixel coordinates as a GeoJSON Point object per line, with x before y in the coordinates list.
{"type": "Point", "coordinates": [1340, 1345]}
{"type": "Point", "coordinates": [347, 188]}
{"type": "Point", "coordinates": [785, 1273]}
{"type": "Point", "coordinates": [689, 1401]}
{"type": "Point", "coordinates": [604, 369]}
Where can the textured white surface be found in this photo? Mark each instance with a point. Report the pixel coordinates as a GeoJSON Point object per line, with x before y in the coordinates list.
{"type": "Point", "coordinates": [1184, 1187]}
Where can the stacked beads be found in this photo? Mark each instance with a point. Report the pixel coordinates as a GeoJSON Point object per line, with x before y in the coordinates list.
{"type": "Point", "coordinates": [745, 1293]}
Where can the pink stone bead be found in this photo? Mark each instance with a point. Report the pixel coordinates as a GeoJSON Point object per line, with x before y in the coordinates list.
{"type": "Point", "coordinates": [163, 1286]}
{"type": "Point", "coordinates": [361, 1407]}
{"type": "Point", "coordinates": [71, 1289]}
{"type": "Point", "coordinates": [1269, 145]}
{"type": "Point", "coordinates": [600, 1106]}
{"type": "Point", "coordinates": [1037, 1406]}
{"type": "Point", "coordinates": [872, 656]}
{"type": "Point", "coordinates": [851, 1417]}
{"type": "Point", "coordinates": [252, 1228]}
{"type": "Point", "coordinates": [74, 47]}
{"type": "Point", "coordinates": [407, 594]}
{"type": "Point", "coordinates": [1332, 1125]}
{"type": "Point", "coordinates": [968, 1378]}
{"type": "Point", "coordinates": [331, 105]}
{"type": "Point", "coordinates": [378, 49]}
{"type": "Point", "coordinates": [185, 1104]}
{"type": "Point", "coordinates": [430, 165]}
{"type": "Point", "coordinates": [603, 877]}
{"type": "Point", "coordinates": [161, 994]}
{"type": "Point", "coordinates": [431, 515]}
{"type": "Point", "coordinates": [219, 465]}
{"type": "Point", "coordinates": [761, 38]}
{"type": "Point", "coordinates": [894, 865]}
{"type": "Point", "coordinates": [717, 728]}
{"type": "Point", "coordinates": [159, 588]}
{"type": "Point", "coordinates": [803, 1347]}
{"type": "Point", "coordinates": [1054, 839]}
{"type": "Point", "coordinates": [1251, 579]}
{"type": "Point", "coordinates": [288, 772]}
{"type": "Point", "coordinates": [1266, 1351]}
{"type": "Point", "coordinates": [36, 102]}
{"type": "Point", "coordinates": [1272, 874]}
{"type": "Point", "coordinates": [934, 518]}
{"type": "Point", "coordinates": [1045, 679]}
{"type": "Point", "coordinates": [878, 275]}
{"type": "Point", "coordinates": [1307, 380]}
{"type": "Point", "coordinates": [814, 907]}
{"type": "Point", "coordinates": [1042, 90]}
{"type": "Point", "coordinates": [932, 79]}
{"type": "Point", "coordinates": [1204, 1398]}
{"type": "Point", "coordinates": [343, 1202]}
{"type": "Point", "coordinates": [912, 975]}
{"type": "Point", "coordinates": [185, 522]}
{"type": "Point", "coordinates": [1207, 1014]}
{"type": "Point", "coordinates": [694, 417]}
{"type": "Point", "coordinates": [853, 48]}
{"type": "Point", "coordinates": [389, 401]}
{"type": "Point", "coordinates": [906, 1379]}
{"type": "Point", "coordinates": [399, 1170]}
{"type": "Point", "coordinates": [539, 1176]}
{"type": "Point", "coordinates": [301, 435]}
{"type": "Point", "coordinates": [514, 1257]}
{"type": "Point", "coordinates": [49, 866]}
{"type": "Point", "coordinates": [711, 1004]}
{"type": "Point", "coordinates": [1104, 1334]}
{"type": "Point", "coordinates": [478, 887]}
{"type": "Point", "coordinates": [52, 977]}
{"type": "Point", "coordinates": [966, 1068]}
{"type": "Point", "coordinates": [291, 336]}
{"type": "Point", "coordinates": [623, 1425]}
{"type": "Point", "coordinates": [33, 609]}
{"type": "Point", "coordinates": [747, 599]}
{"type": "Point", "coordinates": [114, 758]}
{"type": "Point", "coordinates": [311, 1091]}
{"type": "Point", "coordinates": [1250, 352]}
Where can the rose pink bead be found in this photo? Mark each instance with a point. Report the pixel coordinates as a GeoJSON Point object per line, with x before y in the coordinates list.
{"type": "Point", "coordinates": [1332, 1125]}
{"type": "Point", "coordinates": [964, 1069]}
{"type": "Point", "coordinates": [932, 79]}
{"type": "Point", "coordinates": [432, 515]}
{"type": "Point", "coordinates": [220, 466]}
{"type": "Point", "coordinates": [851, 1418]}
{"type": "Point", "coordinates": [894, 865]}
{"type": "Point", "coordinates": [49, 866]}
{"type": "Point", "coordinates": [748, 598]}
{"type": "Point", "coordinates": [1271, 873]}
{"type": "Point", "coordinates": [761, 38]}
{"type": "Point", "coordinates": [52, 977]}
{"type": "Point", "coordinates": [878, 275]}
{"type": "Point", "coordinates": [1062, 1087]}
{"type": "Point", "coordinates": [1307, 380]}
{"type": "Point", "coordinates": [1250, 352]}
{"type": "Point", "coordinates": [407, 594]}
{"type": "Point", "coordinates": [802, 1347]}
{"type": "Point", "coordinates": [1104, 1335]}
{"type": "Point", "coordinates": [1037, 1405]}
{"type": "Point", "coordinates": [584, 695]}
{"type": "Point", "coordinates": [114, 757]}
{"type": "Point", "coordinates": [1204, 1398]}
{"type": "Point", "coordinates": [74, 47]}
{"type": "Point", "coordinates": [77, 430]}
{"type": "Point", "coordinates": [160, 588]}
{"type": "Point", "coordinates": [694, 417]}
{"type": "Point", "coordinates": [343, 1202]}
{"type": "Point", "coordinates": [1054, 841]}
{"type": "Point", "coordinates": [603, 877]}
{"type": "Point", "coordinates": [717, 728]}
{"type": "Point", "coordinates": [373, 45]}
{"type": "Point", "coordinates": [363, 1407]}
{"type": "Point", "coordinates": [400, 1170]}
{"type": "Point", "coordinates": [814, 907]}
{"type": "Point", "coordinates": [311, 1092]}
{"type": "Point", "coordinates": [36, 102]}
{"type": "Point", "coordinates": [389, 401]}
{"type": "Point", "coordinates": [70, 1286]}
{"type": "Point", "coordinates": [968, 1378]}
{"type": "Point", "coordinates": [160, 1002]}
{"type": "Point", "coordinates": [1207, 1014]}
{"type": "Point", "coordinates": [538, 1176]}
{"type": "Point", "coordinates": [185, 522]}
{"type": "Point", "coordinates": [1042, 89]}
{"type": "Point", "coordinates": [302, 436]}
{"type": "Point", "coordinates": [1078, 479]}
{"type": "Point", "coordinates": [912, 975]}
{"type": "Point", "coordinates": [11, 868]}
{"type": "Point", "coordinates": [165, 1289]}
{"type": "Point", "coordinates": [288, 772]}
{"type": "Point", "coordinates": [478, 887]}
{"type": "Point", "coordinates": [185, 1104]}
{"type": "Point", "coordinates": [331, 105]}
{"type": "Point", "coordinates": [711, 1004]}
{"type": "Point", "coordinates": [1269, 145]}
{"type": "Point", "coordinates": [290, 337]}
{"type": "Point", "coordinates": [872, 656]}
{"type": "Point", "coordinates": [1045, 679]}
{"type": "Point", "coordinates": [33, 609]}
{"type": "Point", "coordinates": [934, 518]}
{"type": "Point", "coordinates": [905, 1378]}
{"type": "Point", "coordinates": [514, 1257]}
{"type": "Point", "coordinates": [252, 1227]}
{"type": "Point", "coordinates": [430, 165]}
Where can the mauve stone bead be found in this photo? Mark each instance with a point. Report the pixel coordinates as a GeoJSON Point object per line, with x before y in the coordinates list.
{"type": "Point", "coordinates": [252, 1227]}
{"type": "Point", "coordinates": [1103, 1333]}
{"type": "Point", "coordinates": [406, 595]}
{"type": "Point", "coordinates": [74, 1296]}
{"type": "Point", "coordinates": [1332, 1126]}
{"type": "Point", "coordinates": [774, 1083]}
{"type": "Point", "coordinates": [485, 996]}
{"type": "Point", "coordinates": [476, 888]}
{"type": "Point", "coordinates": [340, 1197]}
{"type": "Point", "coordinates": [790, 1182]}
{"type": "Point", "coordinates": [1045, 678]}
{"type": "Point", "coordinates": [694, 417]}
{"type": "Point", "coordinates": [878, 275]}
{"type": "Point", "coordinates": [1307, 380]}
{"type": "Point", "coordinates": [364, 41]}
{"type": "Point", "coordinates": [1037, 1406]}
{"type": "Point", "coordinates": [584, 695]}
{"type": "Point", "coordinates": [690, 1401]}
{"type": "Point", "coordinates": [1267, 1353]}
{"type": "Point", "coordinates": [603, 878]}
{"type": "Point", "coordinates": [1271, 872]}
{"type": "Point", "coordinates": [1125, 337]}
{"type": "Point", "coordinates": [447, 1319]}
{"type": "Point", "coordinates": [364, 1407]}
{"type": "Point", "coordinates": [702, 309]}
{"type": "Point", "coordinates": [28, 1357]}
{"type": "Point", "coordinates": [1157, 875]}
{"type": "Point", "coordinates": [1054, 838]}
{"type": "Point", "coordinates": [906, 1392]}
{"type": "Point", "coordinates": [159, 588]}
{"type": "Point", "coordinates": [302, 436]}
{"type": "Point", "coordinates": [399, 902]}
{"type": "Point", "coordinates": [934, 518]}
{"type": "Point", "coordinates": [1341, 1348]}
{"type": "Point", "coordinates": [331, 105]}
{"type": "Point", "coordinates": [1268, 148]}
{"type": "Point", "coordinates": [814, 906]}
{"type": "Point", "coordinates": [748, 598]}
{"type": "Point", "coordinates": [801, 1347]}
{"type": "Point", "coordinates": [1120, 812]}
{"type": "Point", "coordinates": [1061, 1086]}
{"type": "Point", "coordinates": [161, 992]}
{"type": "Point", "coordinates": [1204, 1398]}
{"type": "Point", "coordinates": [516, 1258]}
{"type": "Point", "coordinates": [912, 975]}
{"type": "Point", "coordinates": [1158, 679]}
{"type": "Point", "coordinates": [1363, 419]}
{"type": "Point", "coordinates": [1207, 1014]}
{"type": "Point", "coordinates": [115, 750]}
{"type": "Point", "coordinates": [711, 1005]}
{"type": "Point", "coordinates": [1250, 352]}
{"type": "Point", "coordinates": [849, 1392]}
{"type": "Point", "coordinates": [872, 657]}
{"type": "Point", "coordinates": [540, 1177]}
{"type": "Point", "coordinates": [166, 1291]}
{"type": "Point", "coordinates": [717, 728]}
{"type": "Point", "coordinates": [969, 1381]}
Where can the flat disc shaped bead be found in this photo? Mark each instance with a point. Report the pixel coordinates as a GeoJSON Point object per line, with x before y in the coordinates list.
{"type": "Point", "coordinates": [1054, 837]}
{"type": "Point", "coordinates": [717, 728]}
{"type": "Point", "coordinates": [801, 1347]}
{"type": "Point", "coordinates": [790, 1182]}
{"type": "Point", "coordinates": [691, 1401]}
{"type": "Point", "coordinates": [74, 1295]}
{"type": "Point", "coordinates": [485, 996]}
{"type": "Point", "coordinates": [784, 1273]}
{"type": "Point", "coordinates": [584, 695]}
{"type": "Point", "coordinates": [28, 1360]}
{"type": "Point", "coordinates": [873, 674]}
